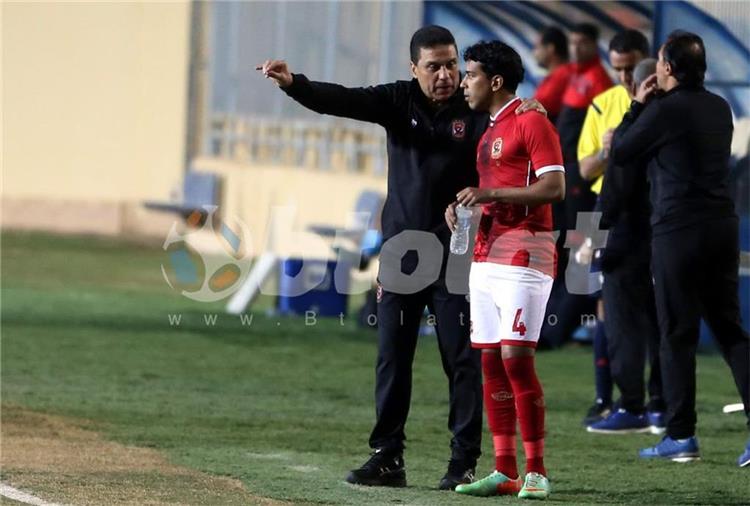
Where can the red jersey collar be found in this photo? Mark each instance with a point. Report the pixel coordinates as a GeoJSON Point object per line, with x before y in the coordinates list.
{"type": "Point", "coordinates": [503, 109]}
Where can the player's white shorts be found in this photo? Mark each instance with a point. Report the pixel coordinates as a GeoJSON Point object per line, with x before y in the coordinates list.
{"type": "Point", "coordinates": [507, 304]}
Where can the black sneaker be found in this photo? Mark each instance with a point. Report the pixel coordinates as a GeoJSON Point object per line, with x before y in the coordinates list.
{"type": "Point", "coordinates": [459, 472]}
{"type": "Point", "coordinates": [596, 413]}
{"type": "Point", "coordinates": [383, 469]}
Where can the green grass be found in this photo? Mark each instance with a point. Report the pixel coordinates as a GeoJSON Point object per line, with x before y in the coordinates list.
{"type": "Point", "coordinates": [287, 408]}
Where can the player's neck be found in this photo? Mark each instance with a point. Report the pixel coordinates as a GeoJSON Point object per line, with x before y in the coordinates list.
{"type": "Point", "coordinates": [498, 102]}
{"type": "Point", "coordinates": [554, 63]}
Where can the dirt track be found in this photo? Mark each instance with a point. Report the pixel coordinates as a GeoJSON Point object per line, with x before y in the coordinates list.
{"type": "Point", "coordinates": [60, 460]}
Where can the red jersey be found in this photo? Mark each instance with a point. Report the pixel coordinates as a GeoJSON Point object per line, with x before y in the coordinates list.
{"type": "Point", "coordinates": [550, 90]}
{"type": "Point", "coordinates": [513, 152]}
{"type": "Point", "coordinates": [586, 81]}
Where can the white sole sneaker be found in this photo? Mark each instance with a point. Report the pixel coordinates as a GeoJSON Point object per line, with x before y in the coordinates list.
{"type": "Point", "coordinates": [683, 460]}
{"type": "Point", "coordinates": [622, 431]}
{"type": "Point", "coordinates": [658, 431]}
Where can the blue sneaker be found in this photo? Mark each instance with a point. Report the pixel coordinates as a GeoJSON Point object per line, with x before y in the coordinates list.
{"type": "Point", "coordinates": [656, 422]}
{"type": "Point", "coordinates": [621, 422]}
{"type": "Point", "coordinates": [675, 450]}
{"type": "Point", "coordinates": [744, 459]}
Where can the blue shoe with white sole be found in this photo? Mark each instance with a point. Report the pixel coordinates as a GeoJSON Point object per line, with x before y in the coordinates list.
{"type": "Point", "coordinates": [676, 450]}
{"type": "Point", "coordinates": [744, 460]}
{"type": "Point", "coordinates": [656, 422]}
{"type": "Point", "coordinates": [621, 422]}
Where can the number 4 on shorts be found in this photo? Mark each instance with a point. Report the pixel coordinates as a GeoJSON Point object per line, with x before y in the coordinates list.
{"type": "Point", "coordinates": [518, 325]}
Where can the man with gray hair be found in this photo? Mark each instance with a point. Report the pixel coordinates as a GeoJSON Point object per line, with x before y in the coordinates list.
{"type": "Point", "coordinates": [627, 291]}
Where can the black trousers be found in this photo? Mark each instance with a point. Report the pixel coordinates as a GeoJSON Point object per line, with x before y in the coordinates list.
{"type": "Point", "coordinates": [695, 272]}
{"type": "Point", "coordinates": [632, 329]}
{"type": "Point", "coordinates": [399, 318]}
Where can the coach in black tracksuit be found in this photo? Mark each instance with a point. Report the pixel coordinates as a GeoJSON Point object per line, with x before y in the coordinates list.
{"type": "Point", "coordinates": [686, 136]}
{"type": "Point", "coordinates": [432, 138]}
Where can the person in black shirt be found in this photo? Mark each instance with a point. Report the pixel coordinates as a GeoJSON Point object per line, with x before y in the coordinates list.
{"type": "Point", "coordinates": [628, 293]}
{"type": "Point", "coordinates": [432, 137]}
{"type": "Point", "coordinates": [685, 135]}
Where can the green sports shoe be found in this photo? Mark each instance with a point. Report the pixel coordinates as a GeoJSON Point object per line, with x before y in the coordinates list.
{"type": "Point", "coordinates": [535, 486]}
{"type": "Point", "coordinates": [495, 484]}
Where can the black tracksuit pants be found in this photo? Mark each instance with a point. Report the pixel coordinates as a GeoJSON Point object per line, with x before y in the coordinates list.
{"type": "Point", "coordinates": [632, 329]}
{"type": "Point", "coordinates": [399, 319]}
{"type": "Point", "coordinates": [695, 272]}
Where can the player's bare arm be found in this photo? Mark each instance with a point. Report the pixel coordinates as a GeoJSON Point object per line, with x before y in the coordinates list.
{"type": "Point", "coordinates": [548, 189]}
{"type": "Point", "coordinates": [594, 165]}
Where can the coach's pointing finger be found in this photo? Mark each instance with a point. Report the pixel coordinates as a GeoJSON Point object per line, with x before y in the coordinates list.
{"type": "Point", "coordinates": [276, 70]}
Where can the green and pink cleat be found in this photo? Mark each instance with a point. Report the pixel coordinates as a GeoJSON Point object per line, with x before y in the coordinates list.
{"type": "Point", "coordinates": [494, 484]}
{"type": "Point", "coordinates": [535, 486]}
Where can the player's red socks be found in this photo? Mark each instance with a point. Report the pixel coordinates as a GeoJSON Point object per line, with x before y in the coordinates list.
{"type": "Point", "coordinates": [501, 413]}
{"type": "Point", "coordinates": [530, 408]}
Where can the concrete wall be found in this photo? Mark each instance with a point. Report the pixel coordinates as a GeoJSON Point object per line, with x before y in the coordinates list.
{"type": "Point", "coordinates": [251, 193]}
{"type": "Point", "coordinates": [94, 111]}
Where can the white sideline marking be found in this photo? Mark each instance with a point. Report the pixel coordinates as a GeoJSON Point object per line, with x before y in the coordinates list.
{"type": "Point", "coordinates": [268, 456]}
{"type": "Point", "coordinates": [304, 469]}
{"type": "Point", "coordinates": [18, 495]}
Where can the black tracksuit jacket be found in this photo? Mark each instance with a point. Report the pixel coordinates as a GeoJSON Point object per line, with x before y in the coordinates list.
{"type": "Point", "coordinates": [686, 136]}
{"type": "Point", "coordinates": [431, 151]}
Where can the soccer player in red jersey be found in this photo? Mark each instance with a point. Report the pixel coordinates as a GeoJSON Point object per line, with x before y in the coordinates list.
{"type": "Point", "coordinates": [551, 53]}
{"type": "Point", "coordinates": [521, 173]}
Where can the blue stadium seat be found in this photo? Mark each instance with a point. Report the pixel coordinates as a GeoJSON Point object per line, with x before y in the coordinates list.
{"type": "Point", "coordinates": [363, 232]}
{"type": "Point", "coordinates": [200, 190]}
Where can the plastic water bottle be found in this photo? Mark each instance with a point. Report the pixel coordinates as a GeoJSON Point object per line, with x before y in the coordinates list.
{"type": "Point", "coordinates": [460, 237]}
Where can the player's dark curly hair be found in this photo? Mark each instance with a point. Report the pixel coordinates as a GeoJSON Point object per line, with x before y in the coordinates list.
{"type": "Point", "coordinates": [497, 59]}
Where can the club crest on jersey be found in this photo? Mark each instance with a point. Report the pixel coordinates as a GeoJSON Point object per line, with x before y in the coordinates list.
{"type": "Point", "coordinates": [458, 129]}
{"type": "Point", "coordinates": [497, 148]}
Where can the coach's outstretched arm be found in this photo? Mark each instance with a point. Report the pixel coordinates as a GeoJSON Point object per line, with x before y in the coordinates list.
{"type": "Point", "coordinates": [374, 104]}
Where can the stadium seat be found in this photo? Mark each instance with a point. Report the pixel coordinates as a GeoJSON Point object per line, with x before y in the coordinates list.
{"type": "Point", "coordinates": [361, 233]}
{"type": "Point", "coordinates": [200, 190]}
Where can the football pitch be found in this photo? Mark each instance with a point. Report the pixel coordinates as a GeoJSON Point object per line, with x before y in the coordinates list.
{"type": "Point", "coordinates": [185, 413]}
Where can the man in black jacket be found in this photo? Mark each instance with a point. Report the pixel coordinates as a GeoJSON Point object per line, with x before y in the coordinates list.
{"type": "Point", "coordinates": [685, 135]}
{"type": "Point", "coordinates": [432, 139]}
{"type": "Point", "coordinates": [628, 292]}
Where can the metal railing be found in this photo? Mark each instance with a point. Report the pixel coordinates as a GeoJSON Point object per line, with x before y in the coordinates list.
{"type": "Point", "coordinates": [328, 144]}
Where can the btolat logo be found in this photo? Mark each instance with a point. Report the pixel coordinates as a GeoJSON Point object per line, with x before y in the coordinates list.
{"type": "Point", "coordinates": [206, 264]}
